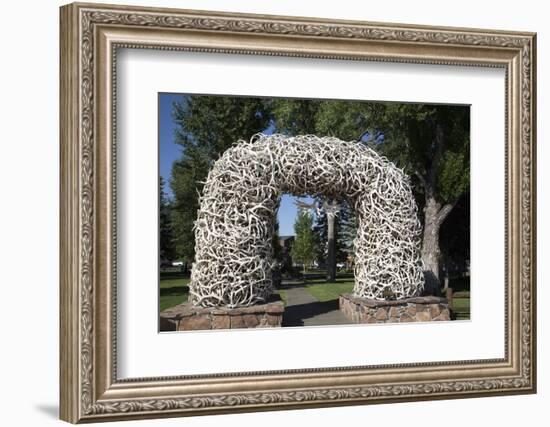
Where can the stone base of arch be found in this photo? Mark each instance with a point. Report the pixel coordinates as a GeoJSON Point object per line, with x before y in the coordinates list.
{"type": "Point", "coordinates": [187, 317]}
{"type": "Point", "coordinates": [415, 309]}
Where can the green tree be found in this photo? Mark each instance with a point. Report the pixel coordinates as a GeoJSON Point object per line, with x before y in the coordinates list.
{"type": "Point", "coordinates": [455, 232]}
{"type": "Point", "coordinates": [294, 116]}
{"type": "Point", "coordinates": [303, 248]}
{"type": "Point", "coordinates": [430, 142]}
{"type": "Point", "coordinates": [206, 127]}
{"type": "Point", "coordinates": [166, 230]}
{"type": "Point", "coordinates": [345, 231]}
{"type": "Point", "coordinates": [277, 249]}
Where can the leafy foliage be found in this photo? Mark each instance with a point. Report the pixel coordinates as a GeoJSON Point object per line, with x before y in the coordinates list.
{"type": "Point", "coordinates": [277, 249]}
{"type": "Point", "coordinates": [430, 142]}
{"type": "Point", "coordinates": [454, 174]}
{"type": "Point", "coordinates": [294, 116]}
{"type": "Point", "coordinates": [407, 134]}
{"type": "Point", "coordinates": [166, 230]}
{"type": "Point", "coordinates": [207, 126]}
{"type": "Point", "coordinates": [346, 231]}
{"type": "Point", "coordinates": [303, 248]}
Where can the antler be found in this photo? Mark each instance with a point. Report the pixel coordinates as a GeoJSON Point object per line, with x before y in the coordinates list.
{"type": "Point", "coordinates": [233, 245]}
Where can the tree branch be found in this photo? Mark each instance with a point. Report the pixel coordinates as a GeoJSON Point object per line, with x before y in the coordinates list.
{"type": "Point", "coordinates": [445, 211]}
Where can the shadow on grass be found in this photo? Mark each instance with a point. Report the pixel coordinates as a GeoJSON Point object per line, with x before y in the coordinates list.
{"type": "Point", "coordinates": [294, 315]}
{"type": "Point", "coordinates": [174, 290]}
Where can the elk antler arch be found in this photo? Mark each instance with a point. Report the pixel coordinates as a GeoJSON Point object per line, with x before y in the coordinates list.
{"type": "Point", "coordinates": [235, 223]}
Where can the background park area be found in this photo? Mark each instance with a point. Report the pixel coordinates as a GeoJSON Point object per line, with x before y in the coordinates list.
{"type": "Point", "coordinates": [313, 241]}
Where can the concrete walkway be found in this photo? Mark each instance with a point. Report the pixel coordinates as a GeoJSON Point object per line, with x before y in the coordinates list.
{"type": "Point", "coordinates": [303, 309]}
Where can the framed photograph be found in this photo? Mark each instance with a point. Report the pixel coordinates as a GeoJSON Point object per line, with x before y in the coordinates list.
{"type": "Point", "coordinates": [267, 212]}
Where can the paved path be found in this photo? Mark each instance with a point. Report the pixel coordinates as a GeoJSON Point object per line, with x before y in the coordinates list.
{"type": "Point", "coordinates": [303, 309]}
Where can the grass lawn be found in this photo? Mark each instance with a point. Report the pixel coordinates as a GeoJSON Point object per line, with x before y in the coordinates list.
{"type": "Point", "coordinates": [461, 297]}
{"type": "Point", "coordinates": [461, 307]}
{"type": "Point", "coordinates": [173, 290]}
{"type": "Point", "coordinates": [282, 294]}
{"type": "Point", "coordinates": [330, 291]}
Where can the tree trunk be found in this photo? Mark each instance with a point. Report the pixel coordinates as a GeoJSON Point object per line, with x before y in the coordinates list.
{"type": "Point", "coordinates": [331, 249]}
{"type": "Point", "coordinates": [430, 240]}
{"type": "Point", "coordinates": [434, 215]}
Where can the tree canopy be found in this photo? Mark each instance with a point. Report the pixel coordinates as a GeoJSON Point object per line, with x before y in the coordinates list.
{"type": "Point", "coordinates": [166, 230]}
{"type": "Point", "coordinates": [206, 127]}
{"type": "Point", "coordinates": [345, 233]}
{"type": "Point", "coordinates": [304, 246]}
{"type": "Point", "coordinates": [430, 142]}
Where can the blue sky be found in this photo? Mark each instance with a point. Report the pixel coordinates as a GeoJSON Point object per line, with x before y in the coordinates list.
{"type": "Point", "coordinates": [169, 152]}
{"type": "Point", "coordinates": [287, 214]}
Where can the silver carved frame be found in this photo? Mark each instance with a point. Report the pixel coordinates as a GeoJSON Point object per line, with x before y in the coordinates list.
{"type": "Point", "coordinates": [90, 36]}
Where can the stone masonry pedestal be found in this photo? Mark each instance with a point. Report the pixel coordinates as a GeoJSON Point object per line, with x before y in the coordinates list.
{"type": "Point", "coordinates": [416, 309]}
{"type": "Point", "coordinates": [187, 317]}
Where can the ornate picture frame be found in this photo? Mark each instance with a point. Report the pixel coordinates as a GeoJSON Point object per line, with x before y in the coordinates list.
{"type": "Point", "coordinates": [90, 37]}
